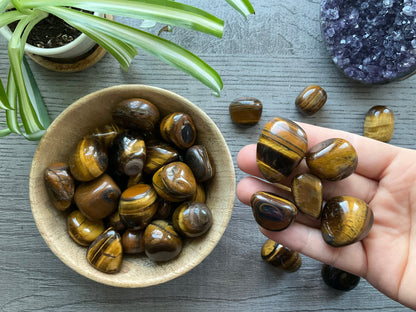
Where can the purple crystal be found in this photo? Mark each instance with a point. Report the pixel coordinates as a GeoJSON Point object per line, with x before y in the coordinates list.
{"type": "Point", "coordinates": [371, 41]}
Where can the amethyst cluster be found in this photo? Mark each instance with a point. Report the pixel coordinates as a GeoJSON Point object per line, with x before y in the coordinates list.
{"type": "Point", "coordinates": [371, 41]}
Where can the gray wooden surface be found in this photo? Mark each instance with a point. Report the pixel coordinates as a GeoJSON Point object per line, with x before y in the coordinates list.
{"type": "Point", "coordinates": [271, 56]}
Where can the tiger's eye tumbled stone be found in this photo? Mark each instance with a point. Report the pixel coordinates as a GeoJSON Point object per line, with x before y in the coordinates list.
{"type": "Point", "coordinates": [200, 162]}
{"type": "Point", "coordinates": [132, 241]}
{"type": "Point", "coordinates": [157, 155]}
{"type": "Point", "coordinates": [333, 159]}
{"type": "Point", "coordinates": [271, 211]}
{"type": "Point", "coordinates": [106, 252]}
{"type": "Point", "coordinates": [280, 148]}
{"type": "Point", "coordinates": [161, 241]}
{"type": "Point", "coordinates": [345, 220]}
{"type": "Point", "coordinates": [245, 110]}
{"type": "Point", "coordinates": [379, 123]}
{"type": "Point", "coordinates": [311, 99]}
{"type": "Point", "coordinates": [339, 279]}
{"type": "Point", "coordinates": [106, 134]}
{"type": "Point", "coordinates": [178, 129]}
{"type": "Point", "coordinates": [174, 182]}
{"type": "Point", "coordinates": [199, 195]}
{"type": "Point", "coordinates": [98, 198]}
{"type": "Point", "coordinates": [89, 160]}
{"type": "Point", "coordinates": [60, 185]}
{"type": "Point", "coordinates": [129, 152]}
{"type": "Point", "coordinates": [82, 230]}
{"type": "Point", "coordinates": [137, 206]}
{"type": "Point", "coordinates": [281, 256]}
{"type": "Point", "coordinates": [192, 219]}
{"type": "Point", "coordinates": [114, 221]}
{"type": "Point", "coordinates": [307, 194]}
{"type": "Point", "coordinates": [137, 114]}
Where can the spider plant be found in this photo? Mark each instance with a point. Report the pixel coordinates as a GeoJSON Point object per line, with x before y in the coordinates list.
{"type": "Point", "coordinates": [22, 93]}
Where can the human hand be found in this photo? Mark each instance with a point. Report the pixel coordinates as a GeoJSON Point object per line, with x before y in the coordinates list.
{"type": "Point", "coordinates": [385, 179]}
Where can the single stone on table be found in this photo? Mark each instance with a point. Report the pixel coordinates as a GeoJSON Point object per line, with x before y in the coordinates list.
{"type": "Point", "coordinates": [379, 123]}
{"type": "Point", "coordinates": [245, 111]}
{"type": "Point", "coordinates": [370, 40]}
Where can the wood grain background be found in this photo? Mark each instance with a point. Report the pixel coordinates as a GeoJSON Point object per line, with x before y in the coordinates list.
{"type": "Point", "coordinates": [272, 55]}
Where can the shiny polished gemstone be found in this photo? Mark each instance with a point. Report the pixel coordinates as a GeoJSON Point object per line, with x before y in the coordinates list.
{"type": "Point", "coordinates": [106, 252]}
{"type": "Point", "coordinates": [281, 256]}
{"type": "Point", "coordinates": [200, 162]}
{"type": "Point", "coordinates": [339, 279]}
{"type": "Point", "coordinates": [345, 220]}
{"type": "Point", "coordinates": [333, 159]}
{"type": "Point", "coordinates": [307, 194]}
{"type": "Point", "coordinates": [245, 110]}
{"type": "Point", "coordinates": [280, 148]}
{"type": "Point", "coordinates": [272, 212]}
{"type": "Point", "coordinates": [379, 123]}
{"type": "Point", "coordinates": [311, 99]}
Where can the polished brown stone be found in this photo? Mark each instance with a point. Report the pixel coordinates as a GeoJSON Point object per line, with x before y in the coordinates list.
{"type": "Point", "coordinates": [129, 154]}
{"type": "Point", "coordinates": [106, 252]}
{"type": "Point", "coordinates": [311, 99]}
{"type": "Point", "coordinates": [280, 148]}
{"type": "Point", "coordinates": [82, 230]}
{"type": "Point", "coordinates": [307, 194]}
{"type": "Point", "coordinates": [333, 159]}
{"type": "Point", "coordinates": [345, 220]}
{"type": "Point", "coordinates": [339, 279]}
{"type": "Point", "coordinates": [246, 110]}
{"type": "Point", "coordinates": [98, 198]}
{"type": "Point", "coordinates": [198, 159]}
{"type": "Point", "coordinates": [60, 185]}
{"type": "Point", "coordinates": [159, 154]}
{"type": "Point", "coordinates": [272, 212]}
{"type": "Point", "coordinates": [379, 123]}
{"type": "Point", "coordinates": [135, 113]}
{"type": "Point", "coordinates": [178, 129]}
{"type": "Point", "coordinates": [281, 256]}
{"type": "Point", "coordinates": [132, 241]}
{"type": "Point", "coordinates": [192, 219]}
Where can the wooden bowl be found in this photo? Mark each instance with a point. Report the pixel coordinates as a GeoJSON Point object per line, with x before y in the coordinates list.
{"type": "Point", "coordinates": [81, 118]}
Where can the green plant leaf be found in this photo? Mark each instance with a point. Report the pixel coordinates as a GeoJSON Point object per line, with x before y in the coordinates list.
{"type": "Point", "coordinates": [3, 5]}
{"type": "Point", "coordinates": [28, 114]}
{"type": "Point", "coordinates": [163, 11]}
{"type": "Point", "coordinates": [11, 115]}
{"type": "Point", "coordinates": [4, 101]}
{"type": "Point", "coordinates": [242, 6]}
{"type": "Point", "coordinates": [122, 52]}
{"type": "Point", "coordinates": [167, 51]}
{"type": "Point", "coordinates": [10, 17]}
{"type": "Point", "coordinates": [34, 95]}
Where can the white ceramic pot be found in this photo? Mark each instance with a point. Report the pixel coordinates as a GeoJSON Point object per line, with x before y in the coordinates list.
{"type": "Point", "coordinates": [77, 47]}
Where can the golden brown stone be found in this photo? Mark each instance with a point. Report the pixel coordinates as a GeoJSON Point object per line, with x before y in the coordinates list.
{"type": "Point", "coordinates": [311, 99]}
{"type": "Point", "coordinates": [245, 110]}
{"type": "Point", "coordinates": [379, 123]}
{"type": "Point", "coordinates": [307, 194]}
{"type": "Point", "coordinates": [281, 256]}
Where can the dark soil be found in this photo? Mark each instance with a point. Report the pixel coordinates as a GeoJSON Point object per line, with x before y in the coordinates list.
{"type": "Point", "coordinates": [51, 32]}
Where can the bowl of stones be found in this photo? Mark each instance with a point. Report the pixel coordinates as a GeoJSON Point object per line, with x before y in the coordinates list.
{"type": "Point", "coordinates": [371, 41]}
{"type": "Point", "coordinates": [132, 186]}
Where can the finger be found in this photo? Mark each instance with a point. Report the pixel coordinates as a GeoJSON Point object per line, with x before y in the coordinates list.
{"type": "Point", "coordinates": [373, 156]}
{"type": "Point", "coordinates": [355, 185]}
{"type": "Point", "coordinates": [309, 241]}
{"type": "Point", "coordinates": [249, 185]}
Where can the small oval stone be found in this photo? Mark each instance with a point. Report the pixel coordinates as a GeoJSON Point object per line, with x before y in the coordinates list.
{"type": "Point", "coordinates": [178, 129]}
{"type": "Point", "coordinates": [281, 256]}
{"type": "Point", "coordinates": [345, 220]}
{"type": "Point", "coordinates": [199, 160]}
{"type": "Point", "coordinates": [272, 212]}
{"type": "Point", "coordinates": [89, 160]}
{"type": "Point", "coordinates": [280, 148]}
{"type": "Point", "coordinates": [98, 198]}
{"type": "Point", "coordinates": [311, 99]}
{"type": "Point", "coordinates": [129, 154]}
{"type": "Point", "coordinates": [192, 219]}
{"type": "Point", "coordinates": [379, 123]}
{"type": "Point", "coordinates": [106, 134]}
{"type": "Point", "coordinates": [82, 230]}
{"type": "Point", "coordinates": [307, 194]}
{"type": "Point", "coordinates": [339, 279]}
{"type": "Point", "coordinates": [246, 110]}
{"type": "Point", "coordinates": [132, 241]}
{"type": "Point", "coordinates": [60, 185]}
{"type": "Point", "coordinates": [175, 182]}
{"type": "Point", "coordinates": [333, 159]}
{"type": "Point", "coordinates": [106, 252]}
{"type": "Point", "coordinates": [137, 114]}
{"type": "Point", "coordinates": [137, 206]}
{"type": "Point", "coordinates": [161, 241]}
{"type": "Point", "coordinates": [158, 155]}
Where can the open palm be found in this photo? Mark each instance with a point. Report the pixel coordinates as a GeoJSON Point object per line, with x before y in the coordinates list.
{"type": "Point", "coordinates": [386, 180]}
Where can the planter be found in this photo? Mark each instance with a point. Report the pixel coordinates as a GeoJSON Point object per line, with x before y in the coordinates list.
{"type": "Point", "coordinates": [77, 55]}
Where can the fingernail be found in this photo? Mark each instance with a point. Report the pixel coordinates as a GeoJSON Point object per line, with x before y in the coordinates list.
{"type": "Point", "coordinates": [272, 212]}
